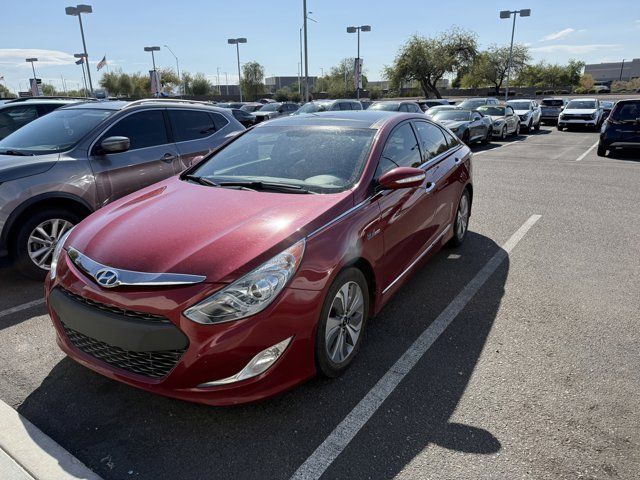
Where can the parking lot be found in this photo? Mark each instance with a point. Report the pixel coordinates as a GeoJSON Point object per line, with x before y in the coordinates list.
{"type": "Point", "coordinates": [535, 377]}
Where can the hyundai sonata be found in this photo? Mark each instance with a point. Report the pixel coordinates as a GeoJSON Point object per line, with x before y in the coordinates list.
{"type": "Point", "coordinates": [258, 268]}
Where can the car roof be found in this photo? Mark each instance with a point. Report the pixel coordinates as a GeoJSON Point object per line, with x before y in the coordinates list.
{"type": "Point", "coordinates": [45, 101]}
{"type": "Point", "coordinates": [347, 118]}
{"type": "Point", "coordinates": [139, 104]}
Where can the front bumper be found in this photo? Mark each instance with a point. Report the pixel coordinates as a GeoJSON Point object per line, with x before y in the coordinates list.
{"type": "Point", "coordinates": [564, 122]}
{"type": "Point", "coordinates": [201, 353]}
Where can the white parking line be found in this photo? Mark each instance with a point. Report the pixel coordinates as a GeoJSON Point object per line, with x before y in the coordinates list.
{"type": "Point", "coordinates": [587, 152]}
{"type": "Point", "coordinates": [497, 148]}
{"type": "Point", "coordinates": [337, 441]}
{"type": "Point", "coordinates": [19, 308]}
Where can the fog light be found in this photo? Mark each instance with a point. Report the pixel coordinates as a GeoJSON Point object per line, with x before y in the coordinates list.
{"type": "Point", "coordinates": [258, 364]}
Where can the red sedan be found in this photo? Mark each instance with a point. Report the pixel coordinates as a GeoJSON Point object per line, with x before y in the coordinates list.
{"type": "Point", "coordinates": [258, 268]}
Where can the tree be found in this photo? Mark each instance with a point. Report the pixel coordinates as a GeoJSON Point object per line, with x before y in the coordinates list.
{"type": "Point", "coordinates": [490, 67]}
{"type": "Point", "coordinates": [587, 83]}
{"type": "Point", "coordinates": [49, 90]}
{"type": "Point", "coordinates": [551, 75]}
{"type": "Point", "coordinates": [5, 93]}
{"type": "Point", "coordinates": [428, 60]}
{"type": "Point", "coordinates": [200, 85]}
{"type": "Point", "coordinates": [252, 83]}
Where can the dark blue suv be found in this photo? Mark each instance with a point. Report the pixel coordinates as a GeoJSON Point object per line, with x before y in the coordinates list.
{"type": "Point", "coordinates": [622, 129]}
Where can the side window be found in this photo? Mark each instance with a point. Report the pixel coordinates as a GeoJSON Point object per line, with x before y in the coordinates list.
{"type": "Point", "coordinates": [47, 108]}
{"type": "Point", "coordinates": [403, 108]}
{"type": "Point", "coordinates": [356, 106]}
{"type": "Point", "coordinates": [190, 125]}
{"type": "Point", "coordinates": [508, 110]}
{"type": "Point", "coordinates": [219, 120]}
{"type": "Point", "coordinates": [414, 108]}
{"type": "Point", "coordinates": [452, 141]}
{"type": "Point", "coordinates": [144, 129]}
{"type": "Point", "coordinates": [401, 150]}
{"type": "Point", "coordinates": [476, 116]}
{"type": "Point", "coordinates": [23, 114]}
{"type": "Point", "coordinates": [432, 140]}
{"type": "Point", "coordinates": [344, 106]}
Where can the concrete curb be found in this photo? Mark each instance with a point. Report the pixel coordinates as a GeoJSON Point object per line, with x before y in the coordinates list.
{"type": "Point", "coordinates": [35, 453]}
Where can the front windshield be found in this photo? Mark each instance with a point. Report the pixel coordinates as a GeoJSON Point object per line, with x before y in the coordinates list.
{"type": "Point", "coordinates": [491, 110]}
{"type": "Point", "coordinates": [313, 107]}
{"type": "Point", "coordinates": [455, 115]}
{"type": "Point", "coordinates": [433, 110]}
{"type": "Point", "coordinates": [472, 104]}
{"type": "Point", "coordinates": [606, 104]}
{"type": "Point", "coordinates": [385, 106]}
{"type": "Point", "coordinates": [586, 104]}
{"type": "Point", "coordinates": [56, 132]}
{"type": "Point", "coordinates": [319, 159]}
{"type": "Point", "coordinates": [552, 103]}
{"type": "Point", "coordinates": [520, 105]}
{"type": "Point", "coordinates": [270, 107]}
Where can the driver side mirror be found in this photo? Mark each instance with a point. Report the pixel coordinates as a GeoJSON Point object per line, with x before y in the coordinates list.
{"type": "Point", "coordinates": [115, 144]}
{"type": "Point", "coordinates": [402, 177]}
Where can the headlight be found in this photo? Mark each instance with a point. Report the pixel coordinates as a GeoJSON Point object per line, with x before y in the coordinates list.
{"type": "Point", "coordinates": [57, 251]}
{"type": "Point", "coordinates": [252, 293]}
{"type": "Point", "coordinates": [594, 115]}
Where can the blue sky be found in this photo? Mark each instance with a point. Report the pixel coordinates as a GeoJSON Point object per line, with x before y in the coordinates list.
{"type": "Point", "coordinates": [197, 30]}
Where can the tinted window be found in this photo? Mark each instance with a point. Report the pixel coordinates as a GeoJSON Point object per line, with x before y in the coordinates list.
{"type": "Point", "coordinates": [626, 112]}
{"type": "Point", "coordinates": [144, 129]}
{"type": "Point", "coordinates": [472, 104]}
{"type": "Point", "coordinates": [452, 140]}
{"type": "Point", "coordinates": [414, 108]}
{"type": "Point", "coordinates": [491, 110]}
{"type": "Point", "coordinates": [48, 108]}
{"type": "Point", "coordinates": [356, 106]}
{"type": "Point", "coordinates": [404, 108]}
{"type": "Point", "coordinates": [190, 125]}
{"type": "Point", "coordinates": [322, 159]}
{"type": "Point", "coordinates": [56, 132]}
{"type": "Point", "coordinates": [401, 150]}
{"type": "Point", "coordinates": [21, 115]}
{"type": "Point", "coordinates": [455, 115]}
{"type": "Point", "coordinates": [432, 140]}
{"type": "Point", "coordinates": [219, 120]}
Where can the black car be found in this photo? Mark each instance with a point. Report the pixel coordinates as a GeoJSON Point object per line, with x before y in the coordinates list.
{"type": "Point", "coordinates": [607, 106]}
{"type": "Point", "coordinates": [244, 117]}
{"type": "Point", "coordinates": [469, 126]}
{"type": "Point", "coordinates": [622, 129]}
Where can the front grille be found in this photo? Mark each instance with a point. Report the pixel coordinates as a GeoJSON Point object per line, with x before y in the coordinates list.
{"type": "Point", "coordinates": [575, 116]}
{"type": "Point", "coordinates": [112, 309]}
{"type": "Point", "coordinates": [154, 364]}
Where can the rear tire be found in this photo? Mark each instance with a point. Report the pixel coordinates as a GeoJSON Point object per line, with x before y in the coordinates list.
{"type": "Point", "coordinates": [25, 248]}
{"type": "Point", "coordinates": [466, 138]}
{"type": "Point", "coordinates": [560, 128]}
{"type": "Point", "coordinates": [336, 348]}
{"type": "Point", "coordinates": [487, 137]}
{"type": "Point", "coordinates": [461, 225]}
{"type": "Point", "coordinates": [602, 152]}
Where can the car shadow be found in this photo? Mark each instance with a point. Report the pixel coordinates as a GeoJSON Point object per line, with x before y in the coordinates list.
{"type": "Point", "coordinates": [122, 432]}
{"type": "Point", "coordinates": [627, 154]}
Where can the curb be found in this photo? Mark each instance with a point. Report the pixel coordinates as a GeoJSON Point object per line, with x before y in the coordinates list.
{"type": "Point", "coordinates": [26, 452]}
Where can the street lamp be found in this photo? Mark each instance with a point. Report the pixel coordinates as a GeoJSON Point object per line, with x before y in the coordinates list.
{"type": "Point", "coordinates": [153, 58]}
{"type": "Point", "coordinates": [76, 12]}
{"type": "Point", "coordinates": [84, 59]}
{"type": "Point", "coordinates": [621, 68]}
{"type": "Point", "coordinates": [180, 90]}
{"type": "Point", "coordinates": [31, 60]}
{"type": "Point", "coordinates": [364, 28]}
{"type": "Point", "coordinates": [237, 42]}
{"type": "Point", "coordinates": [507, 14]}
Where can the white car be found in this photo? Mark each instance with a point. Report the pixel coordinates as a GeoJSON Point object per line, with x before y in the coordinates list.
{"type": "Point", "coordinates": [504, 119]}
{"type": "Point", "coordinates": [529, 113]}
{"type": "Point", "coordinates": [583, 112]}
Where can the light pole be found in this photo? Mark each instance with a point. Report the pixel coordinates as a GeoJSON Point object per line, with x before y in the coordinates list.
{"type": "Point", "coordinates": [621, 68]}
{"type": "Point", "coordinates": [153, 58]}
{"type": "Point", "coordinates": [32, 60]}
{"type": "Point", "coordinates": [180, 90]}
{"type": "Point", "coordinates": [82, 62]}
{"type": "Point", "coordinates": [237, 42]}
{"type": "Point", "coordinates": [218, 76]}
{"type": "Point", "coordinates": [364, 28]}
{"type": "Point", "coordinates": [226, 79]}
{"type": "Point", "coordinates": [507, 14]}
{"type": "Point", "coordinates": [77, 11]}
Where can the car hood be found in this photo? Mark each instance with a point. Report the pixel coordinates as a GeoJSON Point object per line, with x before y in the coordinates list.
{"type": "Point", "coordinates": [452, 124]}
{"type": "Point", "coordinates": [496, 118]}
{"type": "Point", "coordinates": [180, 227]}
{"type": "Point", "coordinates": [522, 112]}
{"type": "Point", "coordinates": [13, 167]}
{"type": "Point", "coordinates": [263, 114]}
{"type": "Point", "coordinates": [580, 111]}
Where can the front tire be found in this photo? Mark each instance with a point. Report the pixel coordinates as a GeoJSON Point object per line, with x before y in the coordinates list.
{"type": "Point", "coordinates": [503, 133]}
{"type": "Point", "coordinates": [342, 321]}
{"type": "Point", "coordinates": [36, 239]}
{"type": "Point", "coordinates": [487, 137]}
{"type": "Point", "coordinates": [461, 224]}
{"type": "Point", "coordinates": [516, 132]}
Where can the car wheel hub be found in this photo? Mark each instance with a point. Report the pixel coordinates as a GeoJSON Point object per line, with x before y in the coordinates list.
{"type": "Point", "coordinates": [43, 240]}
{"type": "Point", "coordinates": [344, 322]}
{"type": "Point", "coordinates": [462, 217]}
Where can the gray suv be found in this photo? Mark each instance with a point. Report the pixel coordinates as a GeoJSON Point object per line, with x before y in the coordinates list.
{"type": "Point", "coordinates": [59, 168]}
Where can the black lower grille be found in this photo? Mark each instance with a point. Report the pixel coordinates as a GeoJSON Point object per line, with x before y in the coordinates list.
{"type": "Point", "coordinates": [154, 364]}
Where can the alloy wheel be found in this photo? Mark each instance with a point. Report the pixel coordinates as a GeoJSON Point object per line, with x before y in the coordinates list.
{"type": "Point", "coordinates": [344, 323]}
{"type": "Point", "coordinates": [43, 240]}
{"type": "Point", "coordinates": [462, 217]}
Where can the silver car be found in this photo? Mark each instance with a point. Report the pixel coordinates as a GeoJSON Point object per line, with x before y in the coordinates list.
{"type": "Point", "coordinates": [529, 112]}
{"type": "Point", "coordinates": [505, 121]}
{"type": "Point", "coordinates": [59, 168]}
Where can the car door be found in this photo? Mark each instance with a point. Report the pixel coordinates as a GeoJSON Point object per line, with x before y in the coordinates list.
{"type": "Point", "coordinates": [150, 158]}
{"type": "Point", "coordinates": [510, 119]}
{"type": "Point", "coordinates": [407, 215]}
{"type": "Point", "coordinates": [195, 133]}
{"type": "Point", "coordinates": [477, 128]}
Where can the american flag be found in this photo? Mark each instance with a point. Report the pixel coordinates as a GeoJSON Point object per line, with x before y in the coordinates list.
{"type": "Point", "coordinates": [80, 61]}
{"type": "Point", "coordinates": [102, 63]}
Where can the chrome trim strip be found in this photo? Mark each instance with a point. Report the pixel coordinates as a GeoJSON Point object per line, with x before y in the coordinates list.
{"type": "Point", "coordinates": [130, 278]}
{"type": "Point", "coordinates": [341, 216]}
{"type": "Point", "coordinates": [406, 270]}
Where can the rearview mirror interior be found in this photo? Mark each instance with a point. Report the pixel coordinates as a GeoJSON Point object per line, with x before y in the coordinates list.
{"type": "Point", "coordinates": [115, 144]}
{"type": "Point", "coordinates": [402, 177]}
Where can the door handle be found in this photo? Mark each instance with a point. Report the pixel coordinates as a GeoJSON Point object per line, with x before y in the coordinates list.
{"type": "Point", "coordinates": [430, 186]}
{"type": "Point", "coordinates": [168, 158]}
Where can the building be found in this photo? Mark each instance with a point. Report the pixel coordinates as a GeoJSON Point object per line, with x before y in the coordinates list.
{"type": "Point", "coordinates": [609, 72]}
{"type": "Point", "coordinates": [273, 84]}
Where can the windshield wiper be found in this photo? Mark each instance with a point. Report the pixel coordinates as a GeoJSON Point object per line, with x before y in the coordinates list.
{"type": "Point", "coordinates": [258, 185]}
{"type": "Point", "coordinates": [200, 180]}
{"type": "Point", "coordinates": [17, 153]}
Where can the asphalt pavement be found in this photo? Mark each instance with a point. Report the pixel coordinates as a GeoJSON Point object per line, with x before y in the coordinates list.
{"type": "Point", "coordinates": [534, 377]}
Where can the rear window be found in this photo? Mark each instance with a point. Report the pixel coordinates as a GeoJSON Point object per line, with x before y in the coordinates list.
{"type": "Point", "coordinates": [552, 103]}
{"type": "Point", "coordinates": [628, 111]}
